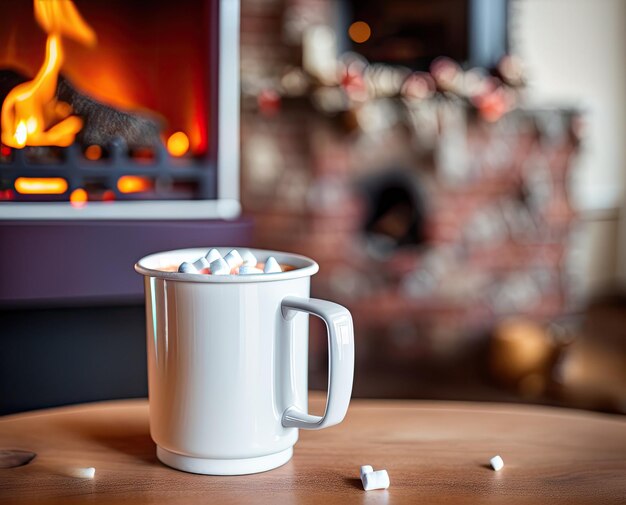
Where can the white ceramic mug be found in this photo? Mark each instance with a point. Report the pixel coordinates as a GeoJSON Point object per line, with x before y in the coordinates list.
{"type": "Point", "coordinates": [227, 362]}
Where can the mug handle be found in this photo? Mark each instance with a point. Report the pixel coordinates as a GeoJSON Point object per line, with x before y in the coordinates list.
{"type": "Point", "coordinates": [340, 366]}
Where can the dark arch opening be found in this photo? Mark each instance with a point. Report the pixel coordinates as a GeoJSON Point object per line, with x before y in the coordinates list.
{"type": "Point", "coordinates": [395, 211]}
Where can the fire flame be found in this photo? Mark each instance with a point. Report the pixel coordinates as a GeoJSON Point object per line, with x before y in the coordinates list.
{"type": "Point", "coordinates": [31, 114]}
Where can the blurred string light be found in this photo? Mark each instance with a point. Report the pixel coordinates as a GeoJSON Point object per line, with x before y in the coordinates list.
{"type": "Point", "coordinates": [268, 101]}
{"type": "Point", "coordinates": [494, 103]}
{"type": "Point", "coordinates": [475, 82]}
{"type": "Point", "coordinates": [352, 69]}
{"type": "Point", "coordinates": [448, 75]}
{"type": "Point", "coordinates": [360, 32]}
{"type": "Point", "coordinates": [377, 116]}
{"type": "Point", "coordinates": [385, 80]}
{"type": "Point", "coordinates": [418, 86]}
{"type": "Point", "coordinates": [511, 70]}
{"type": "Point", "coordinates": [319, 53]}
{"type": "Point", "coordinates": [344, 83]}
{"type": "Point", "coordinates": [330, 100]}
{"type": "Point", "coordinates": [294, 82]}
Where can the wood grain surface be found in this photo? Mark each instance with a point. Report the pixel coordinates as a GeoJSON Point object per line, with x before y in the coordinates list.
{"type": "Point", "coordinates": [434, 453]}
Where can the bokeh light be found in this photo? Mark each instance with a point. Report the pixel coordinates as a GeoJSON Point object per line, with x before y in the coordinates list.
{"type": "Point", "coordinates": [41, 185]}
{"type": "Point", "coordinates": [133, 184]}
{"type": "Point", "coordinates": [78, 198]}
{"type": "Point", "coordinates": [178, 144]}
{"type": "Point", "coordinates": [93, 152]}
{"type": "Point", "coordinates": [359, 32]}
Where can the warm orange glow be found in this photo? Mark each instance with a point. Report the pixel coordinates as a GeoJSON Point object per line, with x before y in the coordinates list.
{"type": "Point", "coordinates": [78, 197]}
{"type": "Point", "coordinates": [40, 185]}
{"type": "Point", "coordinates": [144, 154]}
{"type": "Point", "coordinates": [133, 184]}
{"type": "Point", "coordinates": [108, 196]}
{"type": "Point", "coordinates": [93, 152]}
{"type": "Point", "coordinates": [31, 114]}
{"type": "Point", "coordinates": [7, 194]}
{"type": "Point", "coordinates": [359, 32]}
{"type": "Point", "coordinates": [178, 144]}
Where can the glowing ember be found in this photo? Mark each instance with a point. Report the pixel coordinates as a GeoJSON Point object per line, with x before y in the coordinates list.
{"type": "Point", "coordinates": [78, 197]}
{"type": "Point", "coordinates": [133, 184]}
{"type": "Point", "coordinates": [178, 144]}
{"type": "Point", "coordinates": [108, 196]}
{"type": "Point", "coordinates": [31, 114]}
{"type": "Point", "coordinates": [7, 194]}
{"type": "Point", "coordinates": [93, 152]}
{"type": "Point", "coordinates": [40, 185]}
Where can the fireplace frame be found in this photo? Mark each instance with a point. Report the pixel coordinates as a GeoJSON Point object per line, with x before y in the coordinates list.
{"type": "Point", "coordinates": [224, 131]}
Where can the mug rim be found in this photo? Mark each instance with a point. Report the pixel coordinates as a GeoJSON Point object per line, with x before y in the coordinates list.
{"type": "Point", "coordinates": [304, 267]}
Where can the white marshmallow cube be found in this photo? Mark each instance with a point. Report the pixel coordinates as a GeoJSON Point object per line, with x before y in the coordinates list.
{"type": "Point", "coordinates": [201, 263]}
{"type": "Point", "coordinates": [246, 270]}
{"type": "Point", "coordinates": [83, 473]}
{"type": "Point", "coordinates": [496, 463]}
{"type": "Point", "coordinates": [212, 255]}
{"type": "Point", "coordinates": [234, 259]}
{"type": "Point", "coordinates": [366, 469]}
{"type": "Point", "coordinates": [272, 266]}
{"type": "Point", "coordinates": [249, 259]}
{"type": "Point", "coordinates": [376, 480]}
{"type": "Point", "coordinates": [187, 268]}
{"type": "Point", "coordinates": [219, 267]}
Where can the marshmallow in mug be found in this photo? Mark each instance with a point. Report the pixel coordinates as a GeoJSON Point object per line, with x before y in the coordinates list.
{"type": "Point", "coordinates": [272, 266]}
{"type": "Point", "coordinates": [219, 267]}
{"type": "Point", "coordinates": [243, 263]}
{"type": "Point", "coordinates": [212, 255]}
{"type": "Point", "coordinates": [201, 263]}
{"type": "Point", "coordinates": [246, 270]}
{"type": "Point", "coordinates": [187, 268]}
{"type": "Point", "coordinates": [234, 259]}
{"type": "Point", "coordinates": [249, 259]}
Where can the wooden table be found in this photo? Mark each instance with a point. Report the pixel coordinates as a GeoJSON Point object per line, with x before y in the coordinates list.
{"type": "Point", "coordinates": [435, 452]}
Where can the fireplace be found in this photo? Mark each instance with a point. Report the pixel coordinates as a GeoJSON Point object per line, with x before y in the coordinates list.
{"type": "Point", "coordinates": [133, 108]}
{"type": "Point", "coordinates": [120, 137]}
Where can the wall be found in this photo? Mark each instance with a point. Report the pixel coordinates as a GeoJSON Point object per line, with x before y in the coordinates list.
{"type": "Point", "coordinates": [575, 52]}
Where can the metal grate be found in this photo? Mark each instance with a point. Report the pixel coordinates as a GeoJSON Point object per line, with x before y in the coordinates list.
{"type": "Point", "coordinates": [172, 178]}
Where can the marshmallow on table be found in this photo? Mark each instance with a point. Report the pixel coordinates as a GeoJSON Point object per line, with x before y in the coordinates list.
{"type": "Point", "coordinates": [212, 255]}
{"type": "Point", "coordinates": [375, 480]}
{"type": "Point", "coordinates": [234, 259]}
{"type": "Point", "coordinates": [220, 267]}
{"type": "Point", "coordinates": [496, 463]}
{"type": "Point", "coordinates": [271, 266]}
{"type": "Point", "coordinates": [246, 270]}
{"type": "Point", "coordinates": [366, 469]}
{"type": "Point", "coordinates": [82, 473]}
{"type": "Point", "coordinates": [249, 259]}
